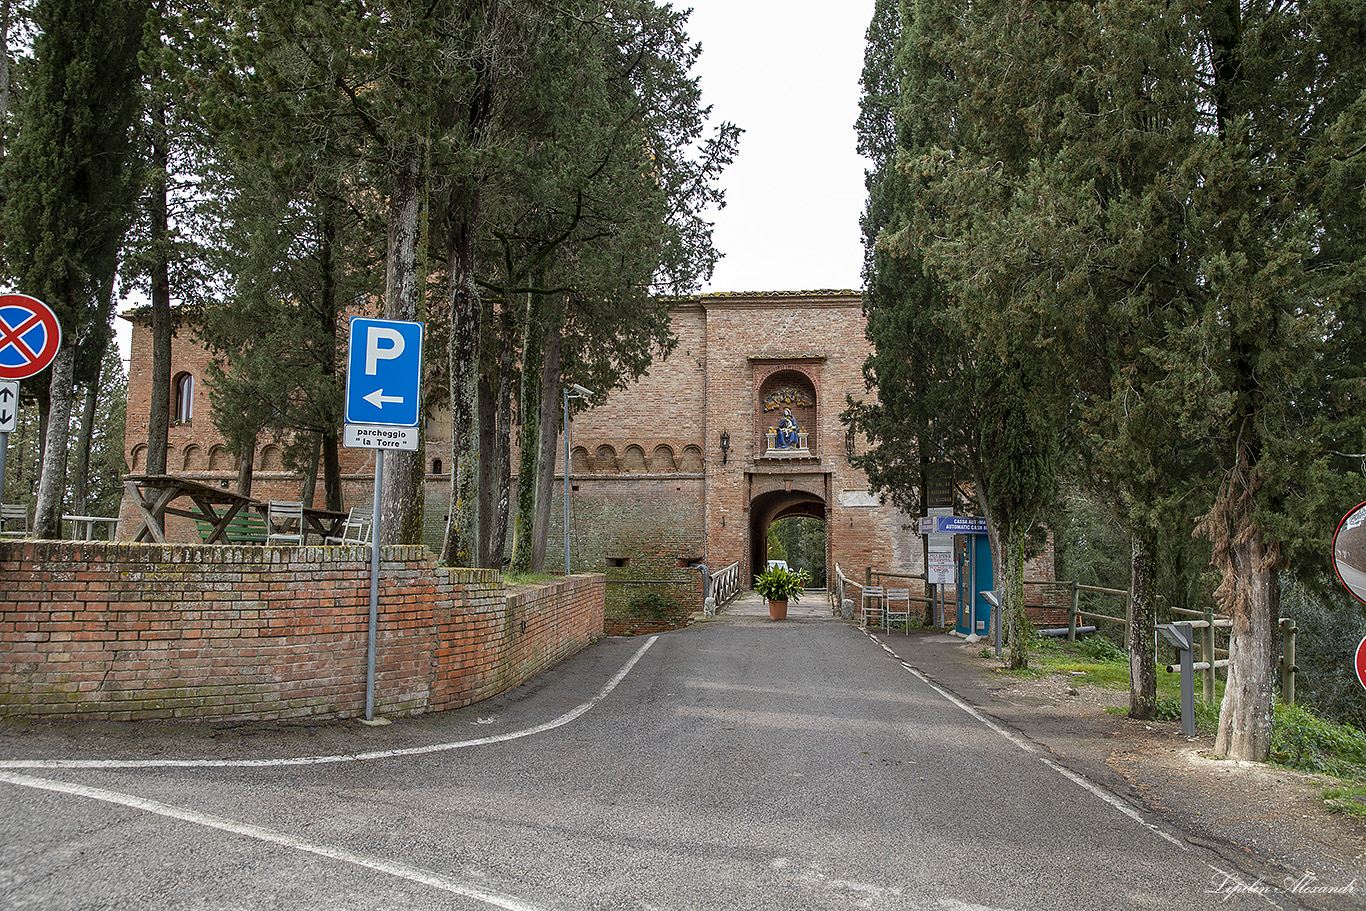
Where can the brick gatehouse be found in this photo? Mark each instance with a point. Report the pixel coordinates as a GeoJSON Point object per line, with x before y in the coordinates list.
{"type": "Point", "coordinates": [678, 469]}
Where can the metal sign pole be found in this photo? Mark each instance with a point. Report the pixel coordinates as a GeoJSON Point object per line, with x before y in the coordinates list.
{"type": "Point", "coordinates": [9, 420]}
{"type": "Point", "coordinates": [566, 483]}
{"type": "Point", "coordinates": [374, 589]}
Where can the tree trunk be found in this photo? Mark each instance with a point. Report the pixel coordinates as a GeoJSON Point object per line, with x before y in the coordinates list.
{"type": "Point", "coordinates": [529, 412]}
{"type": "Point", "coordinates": [1245, 715]}
{"type": "Point", "coordinates": [549, 437]}
{"type": "Point", "coordinates": [458, 549]}
{"type": "Point", "coordinates": [245, 468]}
{"type": "Point", "coordinates": [331, 311]}
{"type": "Point", "coordinates": [310, 480]}
{"type": "Point", "coordinates": [47, 513]}
{"type": "Point", "coordinates": [502, 451]}
{"type": "Point", "coordinates": [486, 426]}
{"type": "Point", "coordinates": [1142, 625]}
{"type": "Point", "coordinates": [1012, 597]}
{"type": "Point", "coordinates": [159, 410]}
{"type": "Point", "coordinates": [332, 480]}
{"type": "Point", "coordinates": [80, 481]}
{"type": "Point", "coordinates": [402, 501]}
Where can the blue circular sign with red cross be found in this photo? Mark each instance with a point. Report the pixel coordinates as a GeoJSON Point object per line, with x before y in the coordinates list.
{"type": "Point", "coordinates": [29, 336]}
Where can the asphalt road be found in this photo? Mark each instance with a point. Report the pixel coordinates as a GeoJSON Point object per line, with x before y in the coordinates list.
{"type": "Point", "coordinates": [739, 764]}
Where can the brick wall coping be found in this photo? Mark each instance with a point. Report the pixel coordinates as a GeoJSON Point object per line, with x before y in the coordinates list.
{"type": "Point", "coordinates": [626, 476]}
{"type": "Point", "coordinates": [28, 550]}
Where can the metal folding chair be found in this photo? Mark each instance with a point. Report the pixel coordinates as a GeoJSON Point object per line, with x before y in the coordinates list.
{"type": "Point", "coordinates": [871, 593]}
{"type": "Point", "coordinates": [890, 612]}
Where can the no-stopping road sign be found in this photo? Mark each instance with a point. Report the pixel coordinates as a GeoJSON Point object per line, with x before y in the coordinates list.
{"type": "Point", "coordinates": [29, 336]}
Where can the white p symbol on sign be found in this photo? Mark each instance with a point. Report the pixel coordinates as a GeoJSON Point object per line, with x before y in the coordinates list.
{"type": "Point", "coordinates": [375, 352]}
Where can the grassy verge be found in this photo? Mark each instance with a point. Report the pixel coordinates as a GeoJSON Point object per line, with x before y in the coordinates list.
{"type": "Point", "coordinates": [1300, 739]}
{"type": "Point", "coordinates": [1099, 662]}
{"type": "Point", "coordinates": [528, 578]}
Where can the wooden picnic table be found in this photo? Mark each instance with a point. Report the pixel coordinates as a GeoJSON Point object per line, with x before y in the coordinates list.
{"type": "Point", "coordinates": [154, 495]}
{"type": "Point", "coordinates": [327, 523]}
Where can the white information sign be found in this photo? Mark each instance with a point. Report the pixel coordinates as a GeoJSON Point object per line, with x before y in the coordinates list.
{"type": "Point", "coordinates": [940, 570]}
{"type": "Point", "coordinates": [379, 436]}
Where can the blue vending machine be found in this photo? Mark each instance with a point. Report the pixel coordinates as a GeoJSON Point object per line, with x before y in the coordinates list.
{"type": "Point", "coordinates": [974, 577]}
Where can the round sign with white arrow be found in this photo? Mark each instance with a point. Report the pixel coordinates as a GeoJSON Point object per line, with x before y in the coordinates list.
{"type": "Point", "coordinates": [29, 336]}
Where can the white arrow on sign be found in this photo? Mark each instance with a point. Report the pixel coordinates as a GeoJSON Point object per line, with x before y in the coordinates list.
{"type": "Point", "coordinates": [378, 398]}
{"type": "Point", "coordinates": [9, 405]}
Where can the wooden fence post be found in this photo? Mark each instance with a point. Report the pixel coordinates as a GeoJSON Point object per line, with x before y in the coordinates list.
{"type": "Point", "coordinates": [1207, 654]}
{"type": "Point", "coordinates": [1288, 661]}
{"type": "Point", "coordinates": [1072, 612]}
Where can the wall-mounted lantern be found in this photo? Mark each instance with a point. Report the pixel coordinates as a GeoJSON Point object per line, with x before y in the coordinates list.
{"type": "Point", "coordinates": [725, 446]}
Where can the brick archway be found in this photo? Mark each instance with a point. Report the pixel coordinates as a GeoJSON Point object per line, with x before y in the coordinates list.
{"type": "Point", "coordinates": [767, 508]}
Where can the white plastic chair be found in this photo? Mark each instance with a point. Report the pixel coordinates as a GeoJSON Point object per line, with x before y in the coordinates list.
{"type": "Point", "coordinates": [285, 519]}
{"type": "Point", "coordinates": [355, 530]}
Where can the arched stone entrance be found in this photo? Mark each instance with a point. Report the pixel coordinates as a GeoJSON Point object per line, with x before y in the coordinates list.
{"type": "Point", "coordinates": [767, 508]}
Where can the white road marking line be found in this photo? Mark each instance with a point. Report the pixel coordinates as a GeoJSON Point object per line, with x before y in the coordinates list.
{"type": "Point", "coordinates": [1028, 747]}
{"type": "Point", "coordinates": [347, 757]}
{"type": "Point", "coordinates": [246, 830]}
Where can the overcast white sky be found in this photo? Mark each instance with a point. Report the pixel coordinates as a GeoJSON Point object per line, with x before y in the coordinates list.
{"type": "Point", "coordinates": [787, 72]}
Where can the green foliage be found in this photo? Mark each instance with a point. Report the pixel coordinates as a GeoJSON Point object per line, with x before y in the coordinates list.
{"type": "Point", "coordinates": [1349, 801]}
{"type": "Point", "coordinates": [1302, 740]}
{"type": "Point", "coordinates": [1091, 546]}
{"type": "Point", "coordinates": [1099, 648]}
{"type": "Point", "coordinates": [1206, 715]}
{"type": "Point", "coordinates": [777, 550]}
{"type": "Point", "coordinates": [778, 584]}
{"type": "Point", "coordinates": [1126, 229]}
{"type": "Point", "coordinates": [650, 604]}
{"type": "Point", "coordinates": [68, 178]}
{"type": "Point", "coordinates": [1329, 625]}
{"type": "Point", "coordinates": [800, 541]}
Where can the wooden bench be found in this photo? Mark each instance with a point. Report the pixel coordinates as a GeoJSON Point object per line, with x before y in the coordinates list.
{"type": "Point", "coordinates": [244, 528]}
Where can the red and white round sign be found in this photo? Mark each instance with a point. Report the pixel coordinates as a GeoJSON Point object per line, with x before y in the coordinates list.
{"type": "Point", "coordinates": [1361, 662]}
{"type": "Point", "coordinates": [29, 336]}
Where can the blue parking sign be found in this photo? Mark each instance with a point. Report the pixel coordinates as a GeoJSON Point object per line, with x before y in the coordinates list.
{"type": "Point", "coordinates": [383, 372]}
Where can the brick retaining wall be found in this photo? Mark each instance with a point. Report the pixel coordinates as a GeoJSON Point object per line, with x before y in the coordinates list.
{"type": "Point", "coordinates": [144, 631]}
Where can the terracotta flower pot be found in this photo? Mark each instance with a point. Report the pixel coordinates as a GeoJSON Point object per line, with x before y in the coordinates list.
{"type": "Point", "coordinates": [777, 610]}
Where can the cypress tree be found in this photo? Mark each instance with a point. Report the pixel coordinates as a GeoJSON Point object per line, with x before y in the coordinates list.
{"type": "Point", "coordinates": [70, 191]}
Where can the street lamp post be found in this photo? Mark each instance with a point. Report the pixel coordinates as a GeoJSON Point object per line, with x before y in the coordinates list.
{"type": "Point", "coordinates": [574, 391]}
